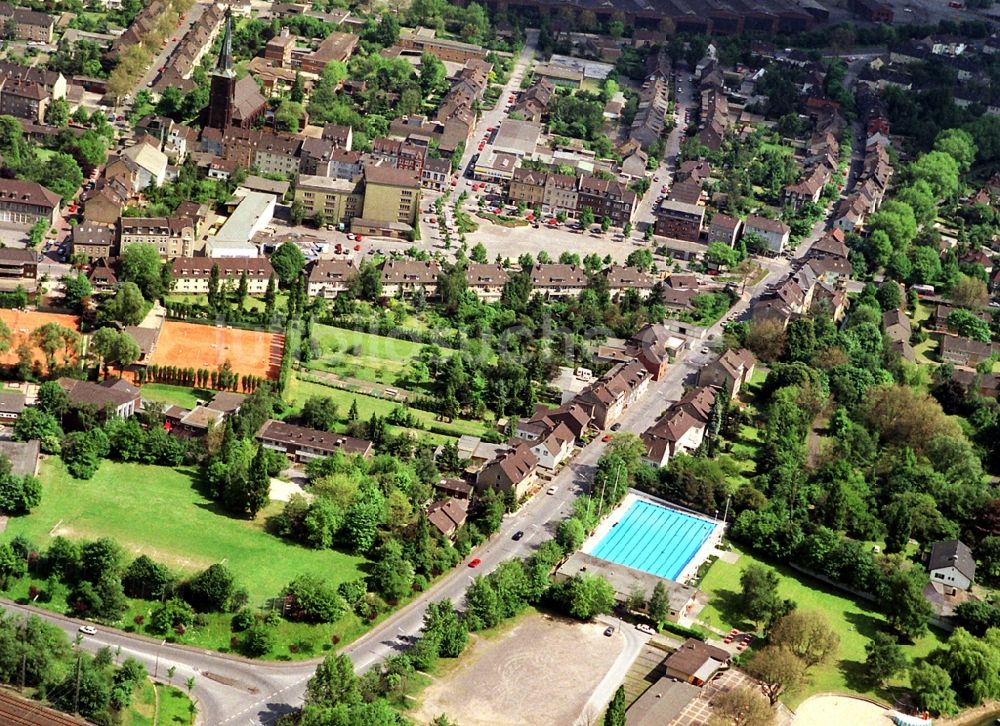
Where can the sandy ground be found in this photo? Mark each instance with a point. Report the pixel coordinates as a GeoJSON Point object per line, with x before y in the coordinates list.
{"type": "Point", "coordinates": [533, 674]}
{"type": "Point", "coordinates": [282, 491]}
{"type": "Point", "coordinates": [823, 710]}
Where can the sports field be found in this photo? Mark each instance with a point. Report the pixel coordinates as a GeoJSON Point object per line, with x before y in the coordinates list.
{"type": "Point", "coordinates": [158, 511]}
{"type": "Point", "coordinates": [189, 345]}
{"type": "Point", "coordinates": [22, 323]}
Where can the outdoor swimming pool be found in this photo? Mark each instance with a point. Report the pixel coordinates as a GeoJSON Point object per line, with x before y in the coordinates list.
{"type": "Point", "coordinates": [654, 539]}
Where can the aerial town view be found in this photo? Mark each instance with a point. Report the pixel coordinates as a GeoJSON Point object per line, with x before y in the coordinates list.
{"type": "Point", "coordinates": [500, 362]}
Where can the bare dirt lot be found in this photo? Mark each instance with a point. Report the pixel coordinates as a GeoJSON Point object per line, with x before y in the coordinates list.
{"type": "Point", "coordinates": [542, 671]}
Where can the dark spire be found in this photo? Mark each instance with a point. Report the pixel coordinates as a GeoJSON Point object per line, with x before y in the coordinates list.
{"type": "Point", "coordinates": [225, 64]}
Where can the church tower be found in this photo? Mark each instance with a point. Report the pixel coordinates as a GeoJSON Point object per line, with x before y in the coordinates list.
{"type": "Point", "coordinates": [222, 95]}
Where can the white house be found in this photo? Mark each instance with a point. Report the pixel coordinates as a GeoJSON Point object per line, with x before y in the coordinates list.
{"type": "Point", "coordinates": [554, 447]}
{"type": "Point", "coordinates": [772, 231]}
{"type": "Point", "coordinates": [952, 565]}
{"type": "Point", "coordinates": [151, 163]}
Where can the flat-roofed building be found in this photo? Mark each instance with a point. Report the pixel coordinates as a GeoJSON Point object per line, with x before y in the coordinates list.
{"type": "Point", "coordinates": [423, 40]}
{"type": "Point", "coordinates": [340, 200]}
{"type": "Point", "coordinates": [252, 214]}
{"type": "Point", "coordinates": [391, 195]}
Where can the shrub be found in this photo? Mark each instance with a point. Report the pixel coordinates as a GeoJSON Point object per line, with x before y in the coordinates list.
{"type": "Point", "coordinates": [258, 641]}
{"type": "Point", "coordinates": [242, 620]}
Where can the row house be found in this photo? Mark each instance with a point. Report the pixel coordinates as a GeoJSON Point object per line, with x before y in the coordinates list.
{"type": "Point", "coordinates": [513, 469]}
{"type": "Point", "coordinates": [606, 198]}
{"type": "Point", "coordinates": [869, 190]}
{"type": "Point", "coordinates": [724, 229]}
{"type": "Point", "coordinates": [24, 99]}
{"type": "Point", "coordinates": [533, 103]}
{"type": "Point", "coordinates": [171, 236]}
{"type": "Point", "coordinates": [94, 241]}
{"type": "Point", "coordinates": [329, 278]}
{"type": "Point", "coordinates": [435, 174]}
{"type": "Point", "coordinates": [555, 280]}
{"type": "Point", "coordinates": [192, 274]}
{"type": "Point", "coordinates": [399, 154]}
{"type": "Point", "coordinates": [405, 277]}
{"type": "Point", "coordinates": [301, 444]}
{"type": "Point", "coordinates": [53, 82]}
{"type": "Point", "coordinates": [619, 388]}
{"type": "Point", "coordinates": [26, 24]}
{"type": "Point", "coordinates": [622, 279]}
{"type": "Point", "coordinates": [486, 280]}
{"type": "Point", "coordinates": [681, 430]}
{"type": "Point", "coordinates": [650, 121]}
{"type": "Point", "coordinates": [714, 117]}
{"type": "Point", "coordinates": [773, 231]}
{"type": "Point", "coordinates": [808, 189]}
{"type": "Point", "coordinates": [965, 351]}
{"type": "Point", "coordinates": [818, 282]}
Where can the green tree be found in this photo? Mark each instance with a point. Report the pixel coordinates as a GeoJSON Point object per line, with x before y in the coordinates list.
{"type": "Point", "coordinates": [52, 399]}
{"type": "Point", "coordinates": [76, 291]}
{"type": "Point", "coordinates": [319, 412]}
{"type": "Point", "coordinates": [807, 634]}
{"type": "Point", "coordinates": [615, 715]}
{"type": "Point", "coordinates": [969, 325]}
{"type": "Point", "coordinates": [931, 686]}
{"type": "Point", "coordinates": [759, 596]}
{"type": "Point", "coordinates": [959, 145]}
{"type": "Point", "coordinates": [314, 600]}
{"type": "Point", "coordinates": [778, 669]}
{"type": "Point", "coordinates": [570, 534]}
{"type": "Point", "coordinates": [885, 658]}
{"type": "Point", "coordinates": [33, 423]}
{"type": "Point", "coordinates": [140, 263]}
{"type": "Point", "coordinates": [589, 595]}
{"type": "Point", "coordinates": [210, 589]}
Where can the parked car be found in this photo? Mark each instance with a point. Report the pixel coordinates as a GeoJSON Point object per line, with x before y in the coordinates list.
{"type": "Point", "coordinates": [609, 631]}
{"type": "Point", "coordinates": [517, 535]}
{"type": "Point", "coordinates": [475, 563]}
{"type": "Point", "coordinates": [553, 490]}
{"type": "Point", "coordinates": [88, 629]}
{"type": "Point", "coordinates": [643, 628]}
{"type": "Point", "coordinates": [606, 438]}
{"type": "Point", "coordinates": [616, 426]}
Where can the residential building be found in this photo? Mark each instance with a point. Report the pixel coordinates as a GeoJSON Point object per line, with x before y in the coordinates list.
{"type": "Point", "coordinates": [604, 198]}
{"type": "Point", "coordinates": [24, 203]}
{"type": "Point", "coordinates": [695, 662]}
{"type": "Point", "coordinates": [336, 46]}
{"type": "Point", "coordinates": [191, 274]}
{"type": "Point", "coordinates": [150, 163]}
{"type": "Point", "coordinates": [896, 325]}
{"type": "Point", "coordinates": [533, 103]}
{"type": "Point", "coordinates": [774, 232]}
{"type": "Point", "coordinates": [111, 398]}
{"type": "Point", "coordinates": [951, 564]}
{"type": "Point", "coordinates": [486, 280]}
{"type": "Point", "coordinates": [94, 241]}
{"type": "Point", "coordinates": [11, 407]}
{"type": "Point", "coordinates": [527, 186]}
{"type": "Point", "coordinates": [328, 278]}
{"type": "Point", "coordinates": [732, 370]}
{"type": "Point", "coordinates": [24, 99]}
{"type": "Point", "coordinates": [448, 515]}
{"type": "Point", "coordinates": [560, 194]}
{"type": "Point", "coordinates": [398, 154]}
{"type": "Point", "coordinates": [555, 280]}
{"type": "Point", "coordinates": [404, 277]}
{"type": "Point", "coordinates": [171, 236]}
{"type": "Point", "coordinates": [28, 24]}
{"type": "Point", "coordinates": [655, 346]}
{"type": "Point", "coordinates": [303, 444]}
{"type": "Point", "coordinates": [278, 49]}
{"type": "Point", "coordinates": [435, 174]}
{"type": "Point", "coordinates": [619, 388]}
{"type": "Point", "coordinates": [680, 220]}
{"type": "Point", "coordinates": [724, 229]}
{"type": "Point", "coordinates": [965, 351]}
{"type": "Point", "coordinates": [101, 276]}
{"type": "Point", "coordinates": [622, 279]}
{"type": "Point", "coordinates": [52, 81]}
{"type": "Point", "coordinates": [651, 115]}
{"type": "Point", "coordinates": [339, 200]}
{"type": "Point", "coordinates": [512, 470]}
{"type": "Point", "coordinates": [391, 195]}
{"type": "Point", "coordinates": [809, 189]}
{"type": "Point", "coordinates": [455, 488]}
{"type": "Point", "coordinates": [551, 445]}
{"type": "Point", "coordinates": [423, 40]}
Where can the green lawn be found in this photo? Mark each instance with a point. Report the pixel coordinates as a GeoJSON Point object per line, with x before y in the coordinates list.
{"type": "Point", "coordinates": [158, 511]}
{"type": "Point", "coordinates": [178, 395]}
{"type": "Point", "coordinates": [368, 357]}
{"type": "Point", "coordinates": [855, 621]}
{"type": "Point", "coordinates": [174, 706]}
{"type": "Point", "coordinates": [299, 390]}
{"type": "Point", "coordinates": [252, 303]}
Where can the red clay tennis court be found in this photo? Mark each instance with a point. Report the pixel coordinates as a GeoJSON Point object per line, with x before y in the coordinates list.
{"type": "Point", "coordinates": [189, 345]}
{"type": "Point", "coordinates": [22, 323]}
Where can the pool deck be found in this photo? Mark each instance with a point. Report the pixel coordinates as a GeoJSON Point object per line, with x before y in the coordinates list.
{"type": "Point", "coordinates": [691, 568]}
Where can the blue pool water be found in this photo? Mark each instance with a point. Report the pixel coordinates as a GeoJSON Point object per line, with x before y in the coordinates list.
{"type": "Point", "coordinates": [654, 539]}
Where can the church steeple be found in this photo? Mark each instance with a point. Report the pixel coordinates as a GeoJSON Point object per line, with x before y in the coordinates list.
{"type": "Point", "coordinates": [225, 63]}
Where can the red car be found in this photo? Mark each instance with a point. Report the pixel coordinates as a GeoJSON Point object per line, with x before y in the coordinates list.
{"type": "Point", "coordinates": [606, 438]}
{"type": "Point", "coordinates": [357, 248]}
{"type": "Point", "coordinates": [475, 563]}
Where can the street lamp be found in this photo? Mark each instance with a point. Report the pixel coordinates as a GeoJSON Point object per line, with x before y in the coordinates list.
{"type": "Point", "coordinates": [156, 666]}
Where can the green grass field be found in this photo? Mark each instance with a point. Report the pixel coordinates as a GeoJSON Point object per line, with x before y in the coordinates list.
{"type": "Point", "coordinates": [365, 356]}
{"type": "Point", "coordinates": [159, 512]}
{"type": "Point", "coordinates": [252, 303]}
{"type": "Point", "coordinates": [173, 708]}
{"type": "Point", "coordinates": [178, 395]}
{"type": "Point", "coordinates": [298, 391]}
{"type": "Point", "coordinates": [855, 621]}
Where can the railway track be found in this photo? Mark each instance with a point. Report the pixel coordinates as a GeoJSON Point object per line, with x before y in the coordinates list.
{"type": "Point", "coordinates": [18, 711]}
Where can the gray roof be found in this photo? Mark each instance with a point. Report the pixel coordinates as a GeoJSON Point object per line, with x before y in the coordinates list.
{"type": "Point", "coordinates": [11, 401]}
{"type": "Point", "coordinates": [23, 456]}
{"type": "Point", "coordinates": [953, 553]}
